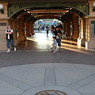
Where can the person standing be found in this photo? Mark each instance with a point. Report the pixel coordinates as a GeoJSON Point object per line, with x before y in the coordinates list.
{"type": "Point", "coordinates": [9, 38]}
{"type": "Point", "coordinates": [58, 36]}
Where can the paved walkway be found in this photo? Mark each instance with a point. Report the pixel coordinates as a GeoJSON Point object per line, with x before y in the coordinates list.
{"type": "Point", "coordinates": [40, 41]}
{"type": "Point", "coordinates": [22, 57]}
{"type": "Point", "coordinates": [72, 79]}
{"type": "Point", "coordinates": [29, 72]}
{"type": "Point", "coordinates": [40, 72]}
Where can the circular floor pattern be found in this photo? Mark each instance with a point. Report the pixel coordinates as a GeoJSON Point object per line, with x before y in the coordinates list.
{"type": "Point", "coordinates": [51, 90]}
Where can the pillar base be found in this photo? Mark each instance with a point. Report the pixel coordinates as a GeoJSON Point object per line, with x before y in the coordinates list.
{"type": "Point", "coordinates": [22, 38]}
{"type": "Point", "coordinates": [16, 42]}
{"type": "Point", "coordinates": [83, 42]}
{"type": "Point", "coordinates": [3, 46]}
{"type": "Point", "coordinates": [75, 38]}
{"type": "Point", "coordinates": [28, 35]}
{"type": "Point", "coordinates": [90, 44]}
{"type": "Point", "coordinates": [79, 42]}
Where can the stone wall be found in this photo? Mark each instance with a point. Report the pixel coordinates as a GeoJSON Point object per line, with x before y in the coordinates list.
{"type": "Point", "coordinates": [3, 26]}
{"type": "Point", "coordinates": [91, 20]}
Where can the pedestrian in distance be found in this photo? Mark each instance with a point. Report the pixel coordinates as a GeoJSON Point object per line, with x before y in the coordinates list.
{"type": "Point", "coordinates": [47, 30]}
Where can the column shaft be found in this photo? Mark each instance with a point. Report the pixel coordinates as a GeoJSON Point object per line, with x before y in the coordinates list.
{"type": "Point", "coordinates": [76, 28]}
{"type": "Point", "coordinates": [28, 29]}
{"type": "Point", "coordinates": [20, 29]}
{"type": "Point", "coordinates": [31, 27]}
{"type": "Point", "coordinates": [68, 29]}
{"type": "Point", "coordinates": [3, 27]}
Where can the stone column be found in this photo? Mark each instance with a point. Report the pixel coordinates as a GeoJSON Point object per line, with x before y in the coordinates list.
{"type": "Point", "coordinates": [90, 42]}
{"type": "Point", "coordinates": [31, 28]}
{"type": "Point", "coordinates": [68, 29]}
{"type": "Point", "coordinates": [20, 29]}
{"type": "Point", "coordinates": [3, 26]}
{"type": "Point", "coordinates": [91, 13]}
{"type": "Point", "coordinates": [79, 39]}
{"type": "Point", "coordinates": [23, 28]}
{"type": "Point", "coordinates": [81, 28]}
{"type": "Point", "coordinates": [65, 28]}
{"type": "Point", "coordinates": [90, 39]}
{"type": "Point", "coordinates": [84, 31]}
{"type": "Point", "coordinates": [72, 27]}
{"type": "Point", "coordinates": [24, 35]}
{"type": "Point", "coordinates": [76, 28]}
{"type": "Point", "coordinates": [28, 29]}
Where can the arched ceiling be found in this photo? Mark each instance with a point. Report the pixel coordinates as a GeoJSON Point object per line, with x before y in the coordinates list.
{"type": "Point", "coordinates": [46, 13]}
{"type": "Point", "coordinates": [46, 9]}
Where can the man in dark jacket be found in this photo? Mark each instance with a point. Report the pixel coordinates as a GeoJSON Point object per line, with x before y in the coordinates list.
{"type": "Point", "coordinates": [58, 36]}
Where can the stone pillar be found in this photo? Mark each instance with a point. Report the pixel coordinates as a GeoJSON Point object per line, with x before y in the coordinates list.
{"type": "Point", "coordinates": [3, 26]}
{"type": "Point", "coordinates": [76, 28]}
{"type": "Point", "coordinates": [28, 29]}
{"type": "Point", "coordinates": [81, 28]}
{"type": "Point", "coordinates": [23, 28]}
{"type": "Point", "coordinates": [79, 39]}
{"type": "Point", "coordinates": [20, 29]}
{"type": "Point", "coordinates": [90, 39]}
{"type": "Point", "coordinates": [68, 29]}
{"type": "Point", "coordinates": [24, 35]}
{"type": "Point", "coordinates": [72, 26]}
{"type": "Point", "coordinates": [65, 28]}
{"type": "Point", "coordinates": [31, 28]}
{"type": "Point", "coordinates": [90, 42]}
{"type": "Point", "coordinates": [84, 31]}
{"type": "Point", "coordinates": [91, 13]}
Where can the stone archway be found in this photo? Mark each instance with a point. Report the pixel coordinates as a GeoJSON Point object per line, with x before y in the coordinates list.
{"type": "Point", "coordinates": [16, 11]}
{"type": "Point", "coordinates": [80, 8]}
{"type": "Point", "coordinates": [14, 8]}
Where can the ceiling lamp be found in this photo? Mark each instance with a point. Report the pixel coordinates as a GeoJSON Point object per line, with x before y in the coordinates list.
{"type": "Point", "coordinates": [94, 4]}
{"type": "Point", "coordinates": [94, 7]}
{"type": "Point", "coordinates": [1, 6]}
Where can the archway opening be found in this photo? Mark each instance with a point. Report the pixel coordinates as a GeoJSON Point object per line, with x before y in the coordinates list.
{"type": "Point", "coordinates": [25, 27]}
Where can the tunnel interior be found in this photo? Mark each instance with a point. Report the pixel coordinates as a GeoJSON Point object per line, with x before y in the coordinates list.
{"type": "Point", "coordinates": [25, 18]}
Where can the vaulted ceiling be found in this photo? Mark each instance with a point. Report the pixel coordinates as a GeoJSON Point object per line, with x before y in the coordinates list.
{"type": "Point", "coordinates": [45, 12]}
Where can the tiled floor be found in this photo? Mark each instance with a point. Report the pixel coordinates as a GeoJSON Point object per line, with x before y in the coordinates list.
{"type": "Point", "coordinates": [40, 41]}
{"type": "Point", "coordinates": [37, 49]}
{"type": "Point", "coordinates": [34, 68]}
{"type": "Point", "coordinates": [69, 79]}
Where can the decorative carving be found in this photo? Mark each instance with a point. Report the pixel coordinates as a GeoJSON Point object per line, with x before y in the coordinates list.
{"type": "Point", "coordinates": [51, 92]}
{"type": "Point", "coordinates": [17, 7]}
{"type": "Point", "coordinates": [3, 24]}
{"type": "Point", "coordinates": [92, 22]}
